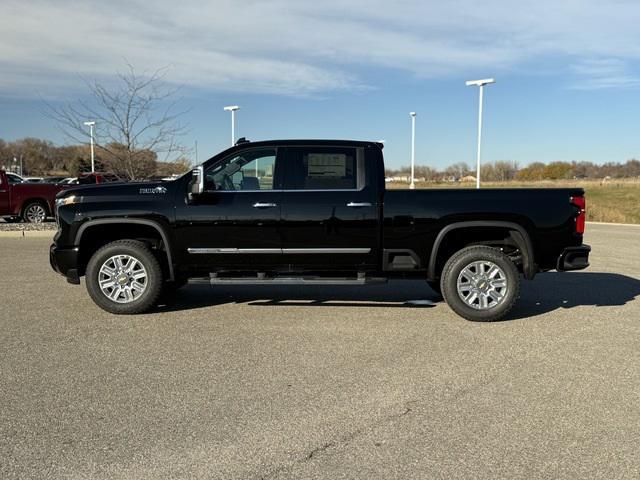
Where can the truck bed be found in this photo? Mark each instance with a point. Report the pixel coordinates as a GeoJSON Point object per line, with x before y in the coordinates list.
{"type": "Point", "coordinates": [413, 218]}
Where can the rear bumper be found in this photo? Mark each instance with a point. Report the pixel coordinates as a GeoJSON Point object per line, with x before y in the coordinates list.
{"type": "Point", "coordinates": [65, 262]}
{"type": "Point", "coordinates": [573, 258]}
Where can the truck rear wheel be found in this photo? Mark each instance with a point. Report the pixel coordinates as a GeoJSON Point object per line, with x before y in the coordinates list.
{"type": "Point", "coordinates": [480, 283]}
{"type": "Point", "coordinates": [124, 277]}
{"type": "Point", "coordinates": [34, 212]}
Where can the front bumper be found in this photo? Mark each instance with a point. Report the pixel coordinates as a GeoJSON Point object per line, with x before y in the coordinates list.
{"type": "Point", "coordinates": [573, 258]}
{"type": "Point", "coordinates": [65, 262]}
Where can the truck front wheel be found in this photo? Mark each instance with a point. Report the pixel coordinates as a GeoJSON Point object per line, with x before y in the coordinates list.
{"type": "Point", "coordinates": [124, 277]}
{"type": "Point", "coordinates": [480, 283]}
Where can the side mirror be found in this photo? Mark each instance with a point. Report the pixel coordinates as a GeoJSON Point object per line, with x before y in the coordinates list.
{"type": "Point", "coordinates": [196, 186]}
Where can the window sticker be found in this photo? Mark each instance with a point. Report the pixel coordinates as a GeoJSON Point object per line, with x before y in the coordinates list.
{"type": "Point", "coordinates": [327, 165]}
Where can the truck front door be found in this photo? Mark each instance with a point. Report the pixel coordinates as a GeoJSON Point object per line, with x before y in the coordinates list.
{"type": "Point", "coordinates": [233, 224]}
{"type": "Point", "coordinates": [330, 210]}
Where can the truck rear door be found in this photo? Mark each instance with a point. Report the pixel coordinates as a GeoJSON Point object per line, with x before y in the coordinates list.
{"type": "Point", "coordinates": [330, 212]}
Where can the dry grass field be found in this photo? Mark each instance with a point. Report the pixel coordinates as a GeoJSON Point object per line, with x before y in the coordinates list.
{"type": "Point", "coordinates": [616, 201]}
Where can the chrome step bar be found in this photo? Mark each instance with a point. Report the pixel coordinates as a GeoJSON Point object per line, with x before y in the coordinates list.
{"type": "Point", "coordinates": [261, 279]}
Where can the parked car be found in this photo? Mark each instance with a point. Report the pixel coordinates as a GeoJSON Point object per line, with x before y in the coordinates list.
{"type": "Point", "coordinates": [31, 202]}
{"type": "Point", "coordinates": [68, 181]}
{"type": "Point", "coordinates": [97, 177]}
{"type": "Point", "coordinates": [33, 179]}
{"type": "Point", "coordinates": [312, 212]}
{"type": "Point", "coordinates": [57, 179]}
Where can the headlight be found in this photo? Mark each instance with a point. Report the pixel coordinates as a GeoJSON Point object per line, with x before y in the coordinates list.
{"type": "Point", "coordinates": [70, 200]}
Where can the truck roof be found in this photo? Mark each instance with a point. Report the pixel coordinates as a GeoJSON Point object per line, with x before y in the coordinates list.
{"type": "Point", "coordinates": [315, 142]}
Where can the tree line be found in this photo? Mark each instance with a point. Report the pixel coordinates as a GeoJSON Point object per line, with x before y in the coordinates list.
{"type": "Point", "coordinates": [507, 170]}
{"type": "Point", "coordinates": [41, 158]}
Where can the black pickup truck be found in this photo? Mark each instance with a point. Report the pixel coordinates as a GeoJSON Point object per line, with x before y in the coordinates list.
{"type": "Point", "coordinates": [312, 212]}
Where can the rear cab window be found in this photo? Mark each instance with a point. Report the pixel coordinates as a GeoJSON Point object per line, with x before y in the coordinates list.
{"type": "Point", "coordinates": [13, 179]}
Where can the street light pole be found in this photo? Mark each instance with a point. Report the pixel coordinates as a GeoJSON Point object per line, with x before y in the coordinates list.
{"type": "Point", "coordinates": [93, 163]}
{"type": "Point", "coordinates": [412, 185]}
{"type": "Point", "coordinates": [481, 84]}
{"type": "Point", "coordinates": [232, 109]}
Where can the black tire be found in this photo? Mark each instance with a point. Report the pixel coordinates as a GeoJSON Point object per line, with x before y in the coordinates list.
{"type": "Point", "coordinates": [492, 310]}
{"type": "Point", "coordinates": [147, 299]}
{"type": "Point", "coordinates": [435, 286]}
{"type": "Point", "coordinates": [34, 211]}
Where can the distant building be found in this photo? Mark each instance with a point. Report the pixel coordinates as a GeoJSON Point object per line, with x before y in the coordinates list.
{"type": "Point", "coordinates": [468, 178]}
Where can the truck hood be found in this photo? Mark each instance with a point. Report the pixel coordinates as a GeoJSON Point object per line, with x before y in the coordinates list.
{"type": "Point", "coordinates": [110, 190]}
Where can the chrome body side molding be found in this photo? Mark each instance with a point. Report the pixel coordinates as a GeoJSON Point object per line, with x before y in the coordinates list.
{"type": "Point", "coordinates": [234, 250]}
{"type": "Point", "coordinates": [271, 251]}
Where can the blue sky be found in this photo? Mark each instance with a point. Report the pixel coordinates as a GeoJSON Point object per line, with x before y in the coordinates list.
{"type": "Point", "coordinates": [567, 72]}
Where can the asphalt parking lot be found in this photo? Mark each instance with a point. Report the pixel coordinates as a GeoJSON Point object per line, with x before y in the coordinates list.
{"type": "Point", "coordinates": [316, 382]}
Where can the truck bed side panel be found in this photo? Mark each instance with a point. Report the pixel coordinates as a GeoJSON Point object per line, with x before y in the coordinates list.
{"type": "Point", "coordinates": [413, 218]}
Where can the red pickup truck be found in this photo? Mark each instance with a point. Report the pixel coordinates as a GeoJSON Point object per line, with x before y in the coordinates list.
{"type": "Point", "coordinates": [31, 202]}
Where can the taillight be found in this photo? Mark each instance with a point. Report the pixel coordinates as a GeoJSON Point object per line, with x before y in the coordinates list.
{"type": "Point", "coordinates": [582, 214]}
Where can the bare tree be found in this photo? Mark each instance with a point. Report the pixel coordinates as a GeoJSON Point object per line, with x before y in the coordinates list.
{"type": "Point", "coordinates": [458, 170]}
{"type": "Point", "coordinates": [134, 118]}
{"type": "Point", "coordinates": [505, 170]}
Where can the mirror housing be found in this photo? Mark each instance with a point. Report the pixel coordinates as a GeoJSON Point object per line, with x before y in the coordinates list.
{"type": "Point", "coordinates": [196, 186]}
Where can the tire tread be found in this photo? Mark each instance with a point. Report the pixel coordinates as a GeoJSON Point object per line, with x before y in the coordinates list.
{"type": "Point", "coordinates": [453, 299]}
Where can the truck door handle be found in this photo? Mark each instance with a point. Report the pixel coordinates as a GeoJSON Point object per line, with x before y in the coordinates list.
{"type": "Point", "coordinates": [358, 204]}
{"type": "Point", "coordinates": [264, 205]}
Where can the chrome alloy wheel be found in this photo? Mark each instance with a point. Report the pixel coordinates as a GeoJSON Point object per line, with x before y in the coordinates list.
{"type": "Point", "coordinates": [482, 285]}
{"type": "Point", "coordinates": [122, 278]}
{"type": "Point", "coordinates": [36, 213]}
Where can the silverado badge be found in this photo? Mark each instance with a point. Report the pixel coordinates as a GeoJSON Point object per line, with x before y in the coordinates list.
{"type": "Point", "coordinates": [158, 190]}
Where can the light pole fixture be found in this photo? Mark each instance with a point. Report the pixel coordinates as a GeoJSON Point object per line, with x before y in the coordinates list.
{"type": "Point", "coordinates": [412, 185]}
{"type": "Point", "coordinates": [93, 164]}
{"type": "Point", "coordinates": [481, 84]}
{"type": "Point", "coordinates": [232, 109]}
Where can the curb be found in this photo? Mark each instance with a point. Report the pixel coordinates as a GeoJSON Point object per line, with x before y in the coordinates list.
{"type": "Point", "coordinates": [27, 233]}
{"type": "Point", "coordinates": [615, 224]}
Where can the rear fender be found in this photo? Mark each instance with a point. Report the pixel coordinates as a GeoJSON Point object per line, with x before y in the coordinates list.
{"type": "Point", "coordinates": [518, 234]}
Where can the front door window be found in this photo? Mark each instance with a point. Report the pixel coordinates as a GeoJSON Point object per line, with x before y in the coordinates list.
{"type": "Point", "coordinates": [250, 170]}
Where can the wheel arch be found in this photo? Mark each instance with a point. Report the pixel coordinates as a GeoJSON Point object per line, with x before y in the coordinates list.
{"type": "Point", "coordinates": [28, 201]}
{"type": "Point", "coordinates": [155, 225]}
{"type": "Point", "coordinates": [518, 233]}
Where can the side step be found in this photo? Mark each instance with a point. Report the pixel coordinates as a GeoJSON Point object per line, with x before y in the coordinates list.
{"type": "Point", "coordinates": [261, 279]}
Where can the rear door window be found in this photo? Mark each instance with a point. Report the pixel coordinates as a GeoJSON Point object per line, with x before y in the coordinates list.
{"type": "Point", "coordinates": [324, 168]}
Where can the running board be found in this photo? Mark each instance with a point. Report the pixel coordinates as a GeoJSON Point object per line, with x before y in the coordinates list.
{"type": "Point", "coordinates": [214, 279]}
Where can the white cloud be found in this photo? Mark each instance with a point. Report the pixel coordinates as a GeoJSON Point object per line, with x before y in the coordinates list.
{"type": "Point", "coordinates": [297, 47]}
{"type": "Point", "coordinates": [596, 74]}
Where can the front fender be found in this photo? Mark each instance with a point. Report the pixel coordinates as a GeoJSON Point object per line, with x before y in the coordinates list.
{"type": "Point", "coordinates": [162, 230]}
